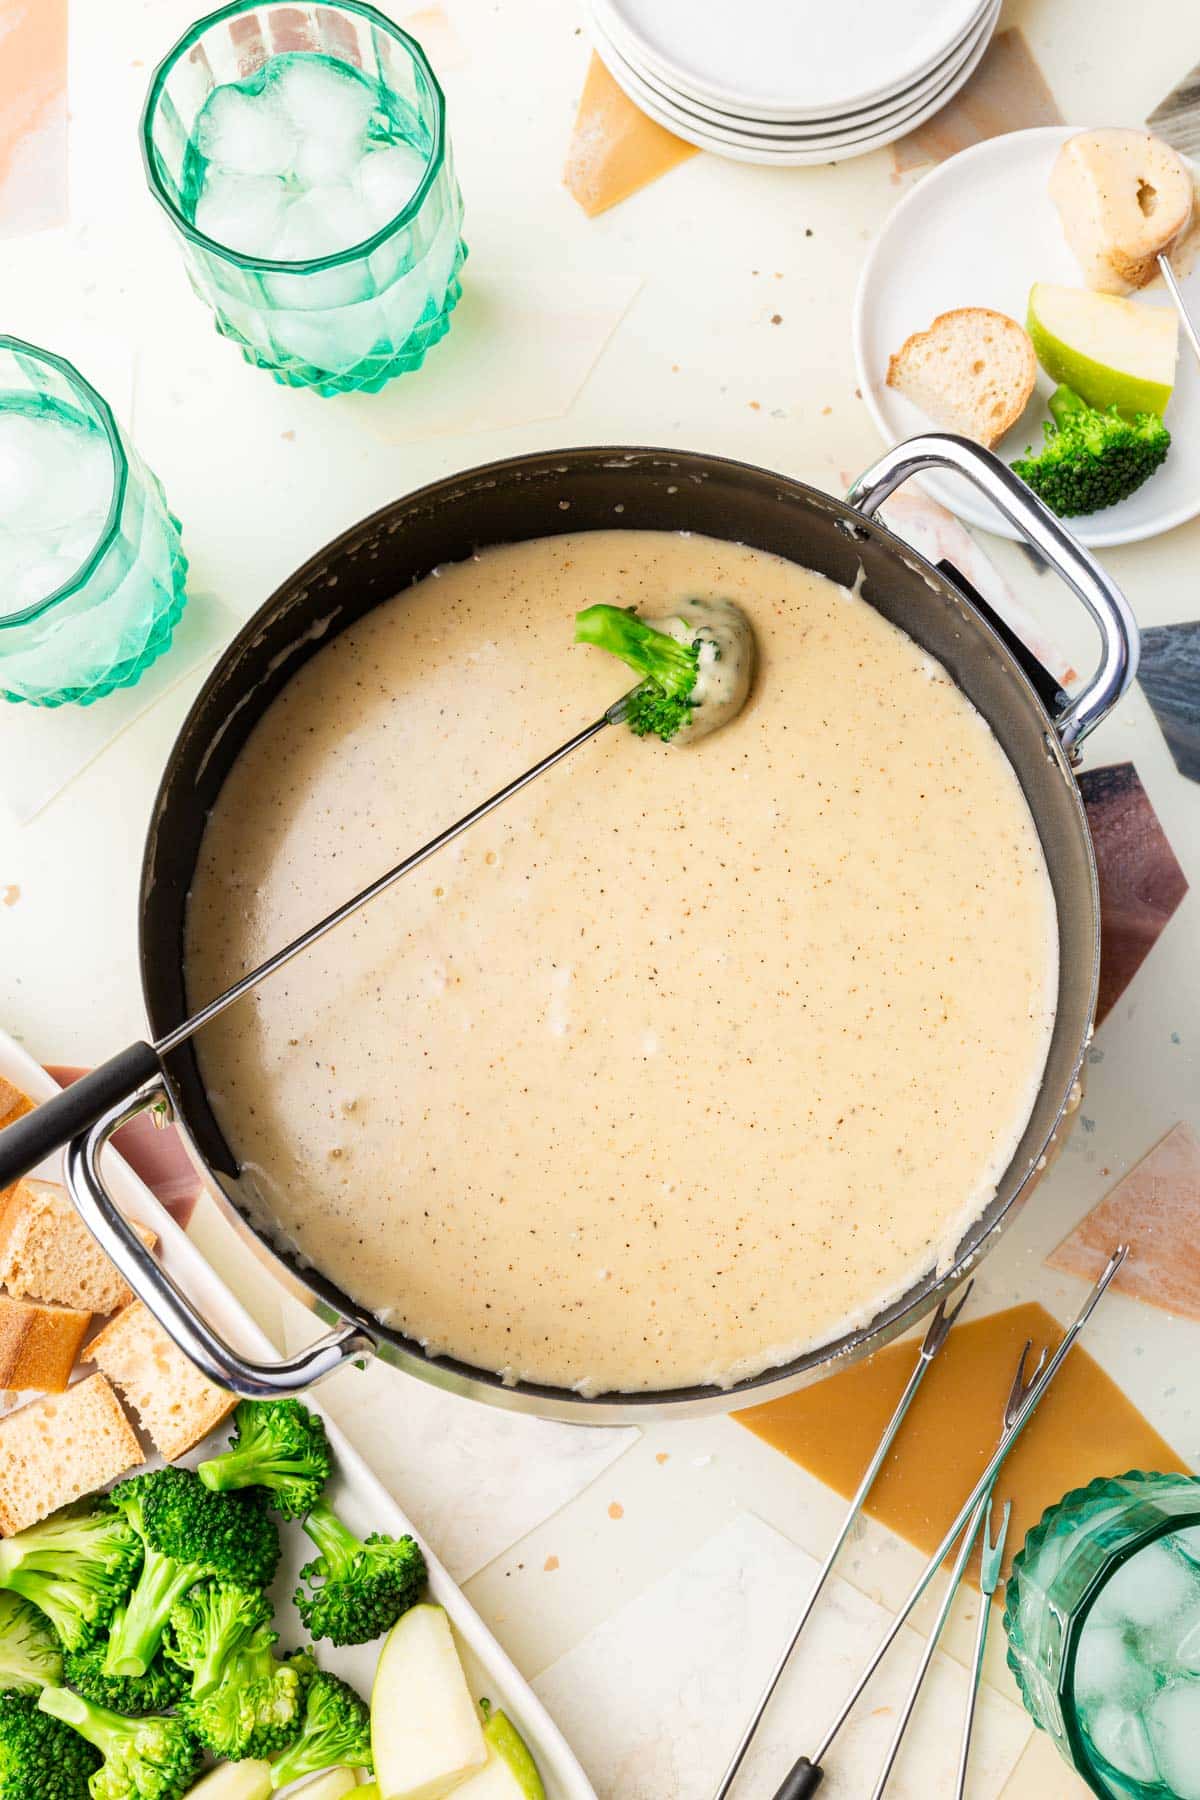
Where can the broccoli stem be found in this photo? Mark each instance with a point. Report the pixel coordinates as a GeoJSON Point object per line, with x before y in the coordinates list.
{"type": "Point", "coordinates": [1065, 404]}
{"type": "Point", "coordinates": [337, 1545]}
{"type": "Point", "coordinates": [138, 1626]}
{"type": "Point", "coordinates": [91, 1722]}
{"type": "Point", "coordinates": [657, 657]}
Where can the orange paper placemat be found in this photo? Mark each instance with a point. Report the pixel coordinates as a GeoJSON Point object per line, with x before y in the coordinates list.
{"type": "Point", "coordinates": [1084, 1427]}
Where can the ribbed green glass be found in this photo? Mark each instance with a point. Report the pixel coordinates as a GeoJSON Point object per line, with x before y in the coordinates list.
{"type": "Point", "coordinates": [337, 323]}
{"type": "Point", "coordinates": [101, 628]}
{"type": "Point", "coordinates": [1057, 1578]}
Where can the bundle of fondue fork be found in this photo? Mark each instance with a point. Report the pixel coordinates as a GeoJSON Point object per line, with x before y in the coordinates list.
{"type": "Point", "coordinates": [973, 1517]}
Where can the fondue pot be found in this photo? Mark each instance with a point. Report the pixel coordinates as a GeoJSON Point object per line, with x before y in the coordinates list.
{"type": "Point", "coordinates": [540, 496]}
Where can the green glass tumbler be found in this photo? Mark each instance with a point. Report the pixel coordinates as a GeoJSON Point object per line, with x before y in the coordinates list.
{"type": "Point", "coordinates": [317, 313]}
{"type": "Point", "coordinates": [1102, 1613]}
{"type": "Point", "coordinates": [91, 568]}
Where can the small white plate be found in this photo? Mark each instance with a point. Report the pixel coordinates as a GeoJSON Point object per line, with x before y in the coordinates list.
{"type": "Point", "coordinates": [741, 148]}
{"type": "Point", "coordinates": [798, 133]}
{"type": "Point", "coordinates": [790, 59]}
{"type": "Point", "coordinates": [979, 231]}
{"type": "Point", "coordinates": [363, 1501]}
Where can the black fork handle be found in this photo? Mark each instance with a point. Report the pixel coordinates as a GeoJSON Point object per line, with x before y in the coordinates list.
{"type": "Point", "coordinates": [52, 1124]}
{"type": "Point", "coordinates": [801, 1782]}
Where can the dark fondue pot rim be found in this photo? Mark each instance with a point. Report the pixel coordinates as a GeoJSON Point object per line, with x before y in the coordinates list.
{"type": "Point", "coordinates": [639, 489]}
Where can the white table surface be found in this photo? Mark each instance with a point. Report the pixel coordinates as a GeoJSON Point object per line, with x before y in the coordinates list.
{"type": "Point", "coordinates": [690, 272]}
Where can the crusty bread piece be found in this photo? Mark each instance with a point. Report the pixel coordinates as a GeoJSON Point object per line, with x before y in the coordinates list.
{"type": "Point", "coordinates": [48, 1253]}
{"type": "Point", "coordinates": [972, 372]}
{"type": "Point", "coordinates": [1122, 196]}
{"type": "Point", "coordinates": [39, 1345]}
{"type": "Point", "coordinates": [13, 1103]}
{"type": "Point", "coordinates": [13, 1106]}
{"type": "Point", "coordinates": [59, 1448]}
{"type": "Point", "coordinates": [176, 1404]}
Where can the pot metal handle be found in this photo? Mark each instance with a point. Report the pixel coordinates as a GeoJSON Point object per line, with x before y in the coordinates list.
{"type": "Point", "coordinates": [1108, 606]}
{"type": "Point", "coordinates": [161, 1293]}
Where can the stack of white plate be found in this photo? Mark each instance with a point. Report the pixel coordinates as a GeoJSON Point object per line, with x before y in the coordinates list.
{"type": "Point", "coordinates": [792, 81]}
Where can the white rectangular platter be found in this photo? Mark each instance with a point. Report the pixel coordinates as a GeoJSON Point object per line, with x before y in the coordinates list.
{"type": "Point", "coordinates": [360, 1498]}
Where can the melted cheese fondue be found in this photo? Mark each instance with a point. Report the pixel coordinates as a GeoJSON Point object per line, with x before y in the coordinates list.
{"type": "Point", "coordinates": [688, 1058]}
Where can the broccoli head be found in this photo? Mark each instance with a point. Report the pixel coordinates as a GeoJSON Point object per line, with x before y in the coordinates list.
{"type": "Point", "coordinates": [143, 1759]}
{"type": "Point", "coordinates": [257, 1706]}
{"type": "Point", "coordinates": [209, 1626]}
{"type": "Point", "coordinates": [662, 702]}
{"type": "Point", "coordinates": [30, 1653]}
{"type": "Point", "coordinates": [41, 1759]}
{"type": "Point", "coordinates": [278, 1445]}
{"type": "Point", "coordinates": [1092, 459]}
{"type": "Point", "coordinates": [188, 1534]}
{"type": "Point", "coordinates": [336, 1732]}
{"type": "Point", "coordinates": [160, 1688]}
{"type": "Point", "coordinates": [74, 1566]}
{"type": "Point", "coordinates": [356, 1588]}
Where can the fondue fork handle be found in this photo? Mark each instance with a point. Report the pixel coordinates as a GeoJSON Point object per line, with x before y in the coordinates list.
{"type": "Point", "coordinates": [47, 1128]}
{"type": "Point", "coordinates": [161, 1294]}
{"type": "Point", "coordinates": [1119, 639]}
{"type": "Point", "coordinates": [935, 1337]}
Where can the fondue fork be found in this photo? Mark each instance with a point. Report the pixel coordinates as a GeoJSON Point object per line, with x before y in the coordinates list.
{"type": "Point", "coordinates": [990, 1560]}
{"type": "Point", "coordinates": [77, 1108]}
{"type": "Point", "coordinates": [806, 1775]}
{"type": "Point", "coordinates": [936, 1629]}
{"type": "Point", "coordinates": [935, 1337]}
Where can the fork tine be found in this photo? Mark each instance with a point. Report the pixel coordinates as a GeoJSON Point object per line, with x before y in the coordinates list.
{"type": "Point", "coordinates": [942, 1321]}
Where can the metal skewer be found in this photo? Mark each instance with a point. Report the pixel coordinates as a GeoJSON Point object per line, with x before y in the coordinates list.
{"type": "Point", "coordinates": [180, 1034]}
{"type": "Point", "coordinates": [989, 1578]}
{"type": "Point", "coordinates": [931, 1644]}
{"type": "Point", "coordinates": [935, 1337]}
{"type": "Point", "coordinates": [806, 1775]}
{"type": "Point", "coordinates": [1181, 307]}
{"type": "Point", "coordinates": [24, 1143]}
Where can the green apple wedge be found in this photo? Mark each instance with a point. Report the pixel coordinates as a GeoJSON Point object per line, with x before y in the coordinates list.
{"type": "Point", "coordinates": [249, 1780]}
{"type": "Point", "coordinates": [426, 1738]}
{"type": "Point", "coordinates": [510, 1772]}
{"type": "Point", "coordinates": [1112, 352]}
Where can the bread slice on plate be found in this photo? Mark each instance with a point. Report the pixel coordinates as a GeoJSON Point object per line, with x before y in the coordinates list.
{"type": "Point", "coordinates": [48, 1253]}
{"type": "Point", "coordinates": [59, 1448]}
{"type": "Point", "coordinates": [39, 1345]}
{"type": "Point", "coordinates": [176, 1404]}
{"type": "Point", "coordinates": [972, 372]}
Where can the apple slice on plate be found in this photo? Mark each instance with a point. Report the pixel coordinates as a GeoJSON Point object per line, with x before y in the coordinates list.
{"type": "Point", "coordinates": [1112, 352]}
{"type": "Point", "coordinates": [510, 1773]}
{"type": "Point", "coordinates": [426, 1738]}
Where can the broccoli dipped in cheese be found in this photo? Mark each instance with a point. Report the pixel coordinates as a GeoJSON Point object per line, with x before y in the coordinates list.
{"type": "Point", "coordinates": [696, 664]}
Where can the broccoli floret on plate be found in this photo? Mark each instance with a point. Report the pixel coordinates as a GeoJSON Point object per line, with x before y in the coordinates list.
{"type": "Point", "coordinates": [1092, 459]}
{"type": "Point", "coordinates": [75, 1567]}
{"type": "Point", "coordinates": [356, 1588]}
{"type": "Point", "coordinates": [160, 1688]}
{"type": "Point", "coordinates": [336, 1732]}
{"type": "Point", "coordinates": [30, 1653]}
{"type": "Point", "coordinates": [143, 1759]}
{"type": "Point", "coordinates": [41, 1759]}
{"type": "Point", "coordinates": [278, 1445]}
{"type": "Point", "coordinates": [188, 1535]}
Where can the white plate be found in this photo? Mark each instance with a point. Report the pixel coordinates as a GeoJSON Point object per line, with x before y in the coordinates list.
{"type": "Point", "coordinates": [793, 132]}
{"type": "Point", "coordinates": [790, 58]}
{"type": "Point", "coordinates": [361, 1499]}
{"type": "Point", "coordinates": [979, 231]}
{"type": "Point", "coordinates": [744, 149]}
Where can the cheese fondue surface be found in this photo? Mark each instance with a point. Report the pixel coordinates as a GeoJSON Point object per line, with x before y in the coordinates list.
{"type": "Point", "coordinates": [689, 1057]}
